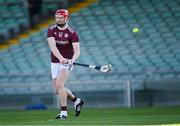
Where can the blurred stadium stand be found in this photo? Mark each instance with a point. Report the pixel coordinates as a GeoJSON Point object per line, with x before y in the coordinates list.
{"type": "Point", "coordinates": [105, 29]}
{"type": "Point", "coordinates": [14, 15]}
{"type": "Point", "coordinates": [13, 18]}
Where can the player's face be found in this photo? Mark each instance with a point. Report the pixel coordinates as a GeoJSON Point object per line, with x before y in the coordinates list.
{"type": "Point", "coordinates": [60, 19]}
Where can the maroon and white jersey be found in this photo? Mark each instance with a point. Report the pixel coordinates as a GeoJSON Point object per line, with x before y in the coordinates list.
{"type": "Point", "coordinates": [64, 39]}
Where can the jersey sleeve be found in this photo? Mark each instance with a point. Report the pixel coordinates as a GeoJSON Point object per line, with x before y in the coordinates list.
{"type": "Point", "coordinates": [75, 37]}
{"type": "Point", "coordinates": [50, 33]}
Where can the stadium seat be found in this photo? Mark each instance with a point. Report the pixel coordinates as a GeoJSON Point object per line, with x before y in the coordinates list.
{"type": "Point", "coordinates": [105, 30]}
{"type": "Point", "coordinates": [14, 15]}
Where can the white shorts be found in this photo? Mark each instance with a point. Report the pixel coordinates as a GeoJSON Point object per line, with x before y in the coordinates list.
{"type": "Point", "coordinates": [56, 67]}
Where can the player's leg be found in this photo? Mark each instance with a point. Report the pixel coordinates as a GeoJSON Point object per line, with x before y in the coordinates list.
{"type": "Point", "coordinates": [54, 85]}
{"type": "Point", "coordinates": [69, 93]}
{"type": "Point", "coordinates": [54, 73]}
{"type": "Point", "coordinates": [55, 68]}
{"type": "Point", "coordinates": [78, 102]}
{"type": "Point", "coordinates": [60, 82]}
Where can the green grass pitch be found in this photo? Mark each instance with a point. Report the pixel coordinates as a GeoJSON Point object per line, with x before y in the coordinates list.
{"type": "Point", "coordinates": [94, 116]}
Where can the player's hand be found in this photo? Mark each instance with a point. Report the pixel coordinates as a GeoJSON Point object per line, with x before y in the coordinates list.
{"type": "Point", "coordinates": [71, 61]}
{"type": "Point", "coordinates": [64, 61]}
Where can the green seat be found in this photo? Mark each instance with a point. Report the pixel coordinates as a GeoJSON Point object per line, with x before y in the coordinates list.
{"type": "Point", "coordinates": [2, 1]}
{"type": "Point", "coordinates": [11, 1]}
{"type": "Point", "coordinates": [85, 12]}
{"type": "Point", "coordinates": [3, 70]}
{"type": "Point", "coordinates": [30, 79]}
{"type": "Point", "coordinates": [44, 79]}
{"type": "Point", "coordinates": [95, 28]}
{"type": "Point", "coordinates": [17, 79]}
{"type": "Point", "coordinates": [4, 80]}
{"type": "Point", "coordinates": [99, 78]}
{"type": "Point", "coordinates": [83, 28]}
{"type": "Point", "coordinates": [3, 8]}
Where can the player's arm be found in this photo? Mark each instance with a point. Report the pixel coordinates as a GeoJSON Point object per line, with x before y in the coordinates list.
{"type": "Point", "coordinates": [76, 48]}
{"type": "Point", "coordinates": [55, 51]}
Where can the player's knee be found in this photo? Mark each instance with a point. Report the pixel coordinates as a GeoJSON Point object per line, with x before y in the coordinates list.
{"type": "Point", "coordinates": [60, 86]}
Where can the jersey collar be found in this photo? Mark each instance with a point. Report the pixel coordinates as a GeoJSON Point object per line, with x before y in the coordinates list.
{"type": "Point", "coordinates": [63, 28]}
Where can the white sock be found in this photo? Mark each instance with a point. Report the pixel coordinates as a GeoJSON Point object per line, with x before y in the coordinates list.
{"type": "Point", "coordinates": [64, 113]}
{"type": "Point", "coordinates": [77, 101]}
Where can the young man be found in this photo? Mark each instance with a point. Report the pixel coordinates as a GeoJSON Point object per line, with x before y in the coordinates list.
{"type": "Point", "coordinates": [65, 49]}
